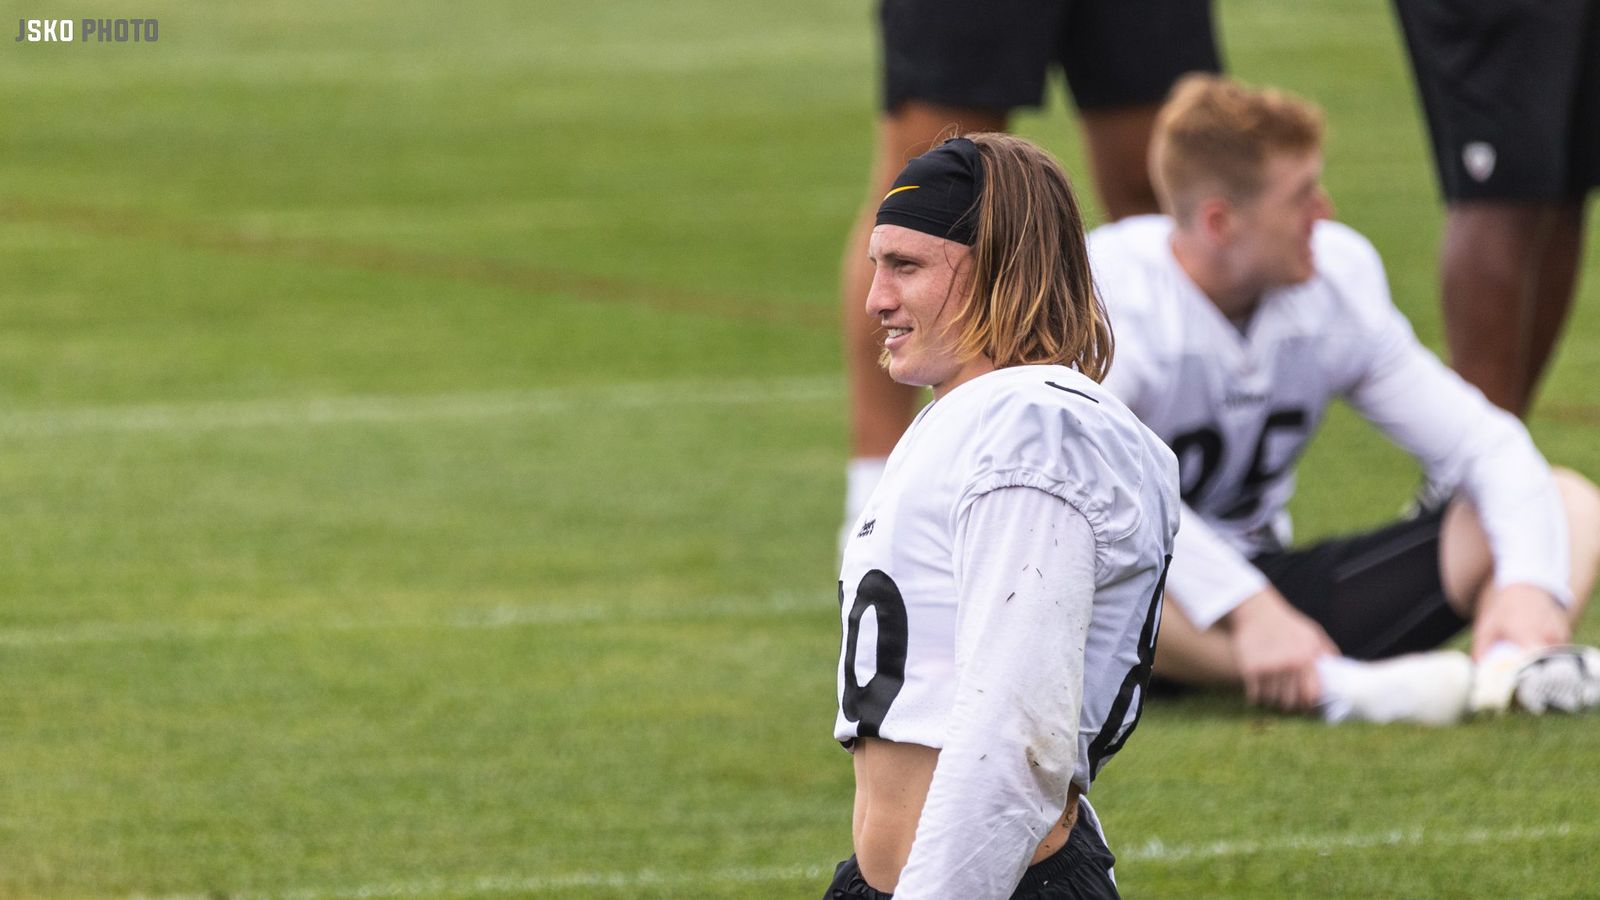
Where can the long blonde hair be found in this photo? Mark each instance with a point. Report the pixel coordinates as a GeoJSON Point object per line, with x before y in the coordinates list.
{"type": "Point", "coordinates": [1029, 296]}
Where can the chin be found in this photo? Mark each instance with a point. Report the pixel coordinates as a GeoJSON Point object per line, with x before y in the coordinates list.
{"type": "Point", "coordinates": [908, 376]}
{"type": "Point", "coordinates": [896, 372]}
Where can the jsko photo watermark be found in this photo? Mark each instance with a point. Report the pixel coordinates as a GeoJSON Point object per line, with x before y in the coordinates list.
{"type": "Point", "coordinates": [88, 31]}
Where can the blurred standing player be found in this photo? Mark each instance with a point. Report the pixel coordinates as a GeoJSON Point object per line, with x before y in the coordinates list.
{"type": "Point", "coordinates": [1240, 316]}
{"type": "Point", "coordinates": [1511, 89]}
{"type": "Point", "coordinates": [955, 67]}
{"type": "Point", "coordinates": [1001, 591]}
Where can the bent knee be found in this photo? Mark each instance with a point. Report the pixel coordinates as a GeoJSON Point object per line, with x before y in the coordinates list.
{"type": "Point", "coordinates": [1579, 497]}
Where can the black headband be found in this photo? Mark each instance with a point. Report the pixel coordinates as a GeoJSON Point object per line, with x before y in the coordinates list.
{"type": "Point", "coordinates": [937, 193]}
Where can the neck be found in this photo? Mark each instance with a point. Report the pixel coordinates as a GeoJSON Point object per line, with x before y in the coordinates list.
{"type": "Point", "coordinates": [1234, 296]}
{"type": "Point", "coordinates": [974, 367]}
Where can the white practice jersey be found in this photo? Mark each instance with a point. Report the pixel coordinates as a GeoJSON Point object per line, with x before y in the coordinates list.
{"type": "Point", "coordinates": [947, 640]}
{"type": "Point", "coordinates": [1238, 405]}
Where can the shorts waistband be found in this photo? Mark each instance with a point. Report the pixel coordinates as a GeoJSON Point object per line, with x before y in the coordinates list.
{"type": "Point", "coordinates": [1083, 848]}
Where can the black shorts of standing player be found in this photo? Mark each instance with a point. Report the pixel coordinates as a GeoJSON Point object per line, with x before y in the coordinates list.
{"type": "Point", "coordinates": [1080, 870]}
{"type": "Point", "coordinates": [995, 54]}
{"type": "Point", "coordinates": [1511, 89]}
{"type": "Point", "coordinates": [1377, 594]}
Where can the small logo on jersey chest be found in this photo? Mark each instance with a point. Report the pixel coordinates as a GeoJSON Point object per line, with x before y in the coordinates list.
{"type": "Point", "coordinates": [867, 528]}
{"type": "Point", "coordinates": [1479, 158]}
{"type": "Point", "coordinates": [1236, 399]}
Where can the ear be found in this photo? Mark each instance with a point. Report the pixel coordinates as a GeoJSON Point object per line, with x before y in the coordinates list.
{"type": "Point", "coordinates": [1214, 218]}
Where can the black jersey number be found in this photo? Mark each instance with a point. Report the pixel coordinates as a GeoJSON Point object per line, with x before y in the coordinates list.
{"type": "Point", "coordinates": [1129, 705]}
{"type": "Point", "coordinates": [867, 704]}
{"type": "Point", "coordinates": [1201, 452]}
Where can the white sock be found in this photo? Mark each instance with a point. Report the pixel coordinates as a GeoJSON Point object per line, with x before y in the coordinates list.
{"type": "Point", "coordinates": [1427, 688]}
{"type": "Point", "coordinates": [861, 478]}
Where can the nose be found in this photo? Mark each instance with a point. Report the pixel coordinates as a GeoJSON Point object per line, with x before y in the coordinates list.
{"type": "Point", "coordinates": [880, 298]}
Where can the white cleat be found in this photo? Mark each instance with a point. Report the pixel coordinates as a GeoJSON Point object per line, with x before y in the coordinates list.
{"type": "Point", "coordinates": [1421, 688]}
{"type": "Point", "coordinates": [1555, 679]}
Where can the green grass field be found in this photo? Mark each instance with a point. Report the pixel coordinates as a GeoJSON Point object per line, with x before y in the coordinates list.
{"type": "Point", "coordinates": [421, 455]}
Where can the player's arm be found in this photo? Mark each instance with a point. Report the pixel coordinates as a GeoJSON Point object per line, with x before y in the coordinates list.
{"type": "Point", "coordinates": [1461, 440]}
{"type": "Point", "coordinates": [1025, 567]}
{"type": "Point", "coordinates": [1275, 646]}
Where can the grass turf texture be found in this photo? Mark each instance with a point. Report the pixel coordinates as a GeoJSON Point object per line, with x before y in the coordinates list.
{"type": "Point", "coordinates": [421, 453]}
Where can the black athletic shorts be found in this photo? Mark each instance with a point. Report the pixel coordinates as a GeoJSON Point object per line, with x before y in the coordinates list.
{"type": "Point", "coordinates": [1511, 89]}
{"type": "Point", "coordinates": [1377, 594]}
{"type": "Point", "coordinates": [1080, 870]}
{"type": "Point", "coordinates": [994, 54]}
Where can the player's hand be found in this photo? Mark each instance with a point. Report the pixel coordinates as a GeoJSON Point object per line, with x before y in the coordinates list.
{"type": "Point", "coordinates": [1277, 648]}
{"type": "Point", "coordinates": [1523, 614]}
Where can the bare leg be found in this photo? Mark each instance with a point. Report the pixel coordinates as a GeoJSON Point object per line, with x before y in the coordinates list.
{"type": "Point", "coordinates": [1429, 688]}
{"type": "Point", "coordinates": [1467, 566]}
{"type": "Point", "coordinates": [1557, 284]}
{"type": "Point", "coordinates": [1485, 284]}
{"type": "Point", "coordinates": [1582, 501]}
{"type": "Point", "coordinates": [880, 409]}
{"type": "Point", "coordinates": [1507, 274]}
{"type": "Point", "coordinates": [1188, 655]}
{"type": "Point", "coordinates": [1119, 153]}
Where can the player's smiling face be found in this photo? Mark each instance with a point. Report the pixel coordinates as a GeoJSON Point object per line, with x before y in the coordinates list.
{"type": "Point", "coordinates": [917, 285]}
{"type": "Point", "coordinates": [1273, 241]}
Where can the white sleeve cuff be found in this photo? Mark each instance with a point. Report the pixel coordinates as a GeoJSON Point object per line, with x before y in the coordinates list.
{"type": "Point", "coordinates": [1208, 578]}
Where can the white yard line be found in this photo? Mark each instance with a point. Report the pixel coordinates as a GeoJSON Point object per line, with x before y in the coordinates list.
{"type": "Point", "coordinates": [504, 616]}
{"type": "Point", "coordinates": [1151, 852]}
{"type": "Point", "coordinates": [325, 411]}
{"type": "Point", "coordinates": [1156, 851]}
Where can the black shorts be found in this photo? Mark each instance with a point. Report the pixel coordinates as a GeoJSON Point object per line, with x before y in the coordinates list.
{"type": "Point", "coordinates": [1377, 594]}
{"type": "Point", "coordinates": [1080, 870]}
{"type": "Point", "coordinates": [995, 54]}
{"type": "Point", "coordinates": [1511, 89]}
